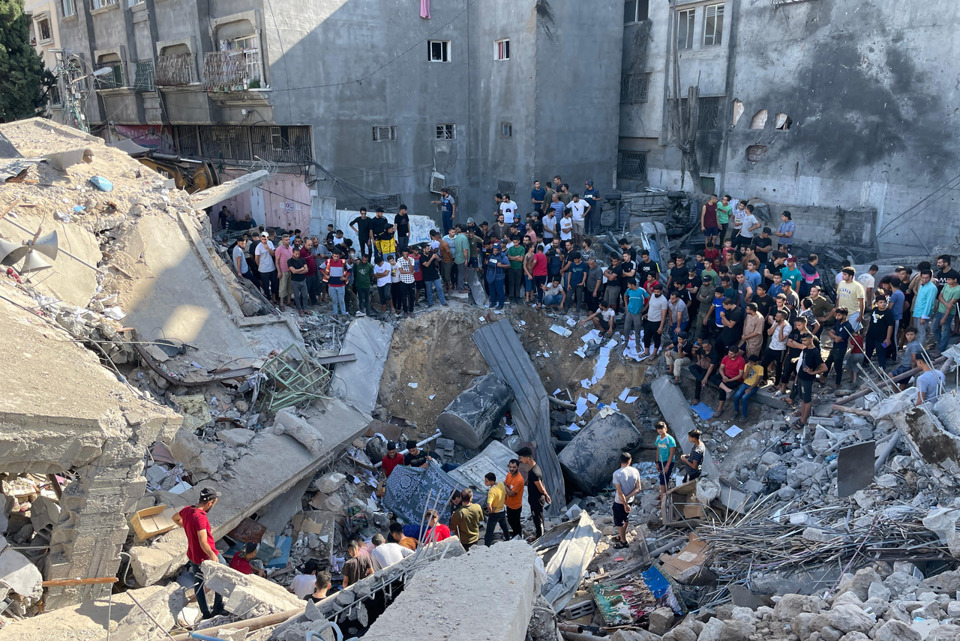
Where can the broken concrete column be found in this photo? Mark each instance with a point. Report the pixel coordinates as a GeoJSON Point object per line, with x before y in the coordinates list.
{"type": "Point", "coordinates": [594, 453]}
{"type": "Point", "coordinates": [472, 416]}
{"type": "Point", "coordinates": [248, 595]}
{"type": "Point", "coordinates": [287, 422]}
{"type": "Point", "coordinates": [928, 439]}
{"type": "Point", "coordinates": [432, 602]}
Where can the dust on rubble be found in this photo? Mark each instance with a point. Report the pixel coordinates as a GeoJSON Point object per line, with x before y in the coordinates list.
{"type": "Point", "coordinates": [435, 351]}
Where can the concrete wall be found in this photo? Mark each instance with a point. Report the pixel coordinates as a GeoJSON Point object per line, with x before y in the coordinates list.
{"type": "Point", "coordinates": [873, 123]}
{"type": "Point", "coordinates": [45, 9]}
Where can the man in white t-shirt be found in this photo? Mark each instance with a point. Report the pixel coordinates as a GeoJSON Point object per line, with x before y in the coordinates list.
{"type": "Point", "coordinates": [381, 271]}
{"type": "Point", "coordinates": [868, 281]}
{"type": "Point", "coordinates": [386, 554]}
{"type": "Point", "coordinates": [267, 268]}
{"type": "Point", "coordinates": [626, 481]}
{"type": "Point", "coordinates": [579, 209]}
{"type": "Point", "coordinates": [509, 210]}
{"type": "Point", "coordinates": [748, 226]}
{"type": "Point", "coordinates": [566, 226]}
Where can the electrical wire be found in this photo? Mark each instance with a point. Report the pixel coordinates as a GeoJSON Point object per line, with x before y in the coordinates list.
{"type": "Point", "coordinates": [946, 186]}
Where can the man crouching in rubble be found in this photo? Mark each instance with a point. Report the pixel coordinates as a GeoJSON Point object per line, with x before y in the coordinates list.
{"type": "Point", "coordinates": [201, 546]}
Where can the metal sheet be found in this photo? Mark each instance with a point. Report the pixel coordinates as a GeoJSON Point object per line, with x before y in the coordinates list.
{"type": "Point", "coordinates": [566, 566]}
{"type": "Point", "coordinates": [855, 467]}
{"type": "Point", "coordinates": [504, 353]}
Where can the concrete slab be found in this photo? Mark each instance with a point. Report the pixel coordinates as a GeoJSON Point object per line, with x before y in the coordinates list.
{"type": "Point", "coordinates": [213, 195]}
{"type": "Point", "coordinates": [248, 595]}
{"type": "Point", "coordinates": [433, 601]}
{"type": "Point", "coordinates": [676, 412]}
{"type": "Point", "coordinates": [357, 382]}
{"type": "Point", "coordinates": [18, 574]}
{"type": "Point", "coordinates": [929, 441]}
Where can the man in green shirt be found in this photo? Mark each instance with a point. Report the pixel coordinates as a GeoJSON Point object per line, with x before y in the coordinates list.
{"type": "Point", "coordinates": [515, 254]}
{"type": "Point", "coordinates": [946, 306]}
{"type": "Point", "coordinates": [461, 255]}
{"type": "Point", "coordinates": [362, 273]}
{"type": "Point", "coordinates": [465, 521]}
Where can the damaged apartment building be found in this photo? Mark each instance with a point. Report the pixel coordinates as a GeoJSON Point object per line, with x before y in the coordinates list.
{"type": "Point", "coordinates": [370, 103]}
{"type": "Point", "coordinates": [835, 111]}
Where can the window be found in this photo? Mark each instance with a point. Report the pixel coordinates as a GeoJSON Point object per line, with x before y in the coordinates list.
{"type": "Point", "coordinates": [685, 29]}
{"type": "Point", "coordinates": [100, 4]}
{"type": "Point", "coordinates": [506, 130]}
{"type": "Point", "coordinates": [134, 3]}
{"type": "Point", "coordinates": [713, 25]}
{"type": "Point", "coordinates": [43, 29]}
{"type": "Point", "coordinates": [502, 49]}
{"type": "Point", "coordinates": [446, 132]}
{"type": "Point", "coordinates": [633, 88]}
{"type": "Point", "coordinates": [113, 79]}
{"type": "Point", "coordinates": [438, 50]}
{"type": "Point", "coordinates": [144, 78]}
{"type": "Point", "coordinates": [383, 134]}
{"type": "Point", "coordinates": [68, 8]}
{"type": "Point", "coordinates": [635, 10]}
{"type": "Point", "coordinates": [632, 165]}
{"type": "Point", "coordinates": [708, 114]}
{"type": "Point", "coordinates": [248, 47]}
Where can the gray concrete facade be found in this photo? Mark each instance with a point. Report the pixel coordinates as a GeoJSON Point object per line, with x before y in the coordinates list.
{"type": "Point", "coordinates": [870, 118]}
{"type": "Point", "coordinates": [346, 67]}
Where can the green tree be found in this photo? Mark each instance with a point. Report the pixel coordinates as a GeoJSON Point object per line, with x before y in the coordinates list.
{"type": "Point", "coordinates": [23, 79]}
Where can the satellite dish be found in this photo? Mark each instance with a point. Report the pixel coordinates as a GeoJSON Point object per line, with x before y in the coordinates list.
{"type": "Point", "coordinates": [12, 253]}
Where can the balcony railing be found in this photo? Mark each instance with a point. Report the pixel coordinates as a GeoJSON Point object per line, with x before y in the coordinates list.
{"type": "Point", "coordinates": [233, 70]}
{"type": "Point", "coordinates": [175, 70]}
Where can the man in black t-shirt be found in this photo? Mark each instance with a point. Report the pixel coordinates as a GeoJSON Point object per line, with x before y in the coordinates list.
{"type": "Point", "coordinates": [678, 275]}
{"type": "Point", "coordinates": [361, 225]}
{"type": "Point", "coordinates": [880, 331]}
{"type": "Point", "coordinates": [646, 266]}
{"type": "Point", "coordinates": [415, 457]}
{"type": "Point", "coordinates": [732, 319]}
{"type": "Point", "coordinates": [402, 222]}
{"type": "Point", "coordinates": [537, 495]}
{"type": "Point", "coordinates": [810, 365]}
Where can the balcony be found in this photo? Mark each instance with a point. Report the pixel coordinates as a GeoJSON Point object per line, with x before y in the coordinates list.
{"type": "Point", "coordinates": [176, 70]}
{"type": "Point", "coordinates": [232, 71]}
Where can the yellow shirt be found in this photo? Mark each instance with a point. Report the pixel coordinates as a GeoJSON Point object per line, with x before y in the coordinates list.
{"type": "Point", "coordinates": [496, 496]}
{"type": "Point", "coordinates": [754, 374]}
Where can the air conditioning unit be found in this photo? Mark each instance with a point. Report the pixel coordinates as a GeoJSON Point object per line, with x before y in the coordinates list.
{"type": "Point", "coordinates": [437, 182]}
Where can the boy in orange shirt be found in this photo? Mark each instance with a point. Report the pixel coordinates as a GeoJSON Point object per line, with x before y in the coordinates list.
{"type": "Point", "coordinates": [514, 502]}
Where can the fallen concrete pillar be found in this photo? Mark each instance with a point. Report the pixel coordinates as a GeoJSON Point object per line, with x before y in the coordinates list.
{"type": "Point", "coordinates": [929, 441]}
{"type": "Point", "coordinates": [213, 195]}
{"type": "Point", "coordinates": [676, 412]}
{"type": "Point", "coordinates": [594, 453]}
{"type": "Point", "coordinates": [247, 595]}
{"type": "Point", "coordinates": [472, 416]}
{"type": "Point", "coordinates": [433, 602]}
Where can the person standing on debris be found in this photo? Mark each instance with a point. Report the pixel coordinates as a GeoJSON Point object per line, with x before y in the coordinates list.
{"type": "Point", "coordinates": [283, 254]}
{"type": "Point", "coordinates": [850, 295]}
{"type": "Point", "coordinates": [809, 366]}
{"type": "Point", "coordinates": [776, 349]}
{"type": "Point", "coordinates": [658, 312]}
{"type": "Point", "coordinates": [592, 196]}
{"type": "Point", "coordinates": [448, 209]}
{"type": "Point", "coordinates": [753, 330]}
{"type": "Point", "coordinates": [946, 306]}
{"type": "Point", "coordinates": [537, 194]}
{"type": "Point", "coordinates": [626, 481]}
{"type": "Point", "coordinates": [465, 521]}
{"type": "Point", "coordinates": [408, 284]}
{"type": "Point", "coordinates": [363, 281]}
{"type": "Point", "coordinates": [513, 487]}
{"type": "Point", "coordinates": [461, 258]}
{"type": "Point", "coordinates": [323, 586]}
{"type": "Point", "coordinates": [240, 261]}
{"type": "Point", "coordinates": [923, 305]}
{"type": "Point", "coordinates": [496, 508]}
{"type": "Point", "coordinates": [297, 267]}
{"type": "Point", "coordinates": [430, 264]}
{"type": "Point", "coordinates": [841, 333]}
{"type": "Point", "coordinates": [402, 224]}
{"type": "Point", "coordinates": [391, 459]}
{"type": "Point", "coordinates": [694, 460]}
{"type": "Point", "coordinates": [386, 553]}
{"type": "Point", "coordinates": [357, 567]}
{"type": "Point", "coordinates": [785, 231]}
{"type": "Point", "coordinates": [880, 330]}
{"type": "Point", "coordinates": [636, 301]}
{"type": "Point", "coordinates": [382, 271]}
{"type": "Point", "coordinates": [496, 270]}
{"type": "Point", "coordinates": [384, 244]}
{"type": "Point", "coordinates": [201, 546]}
{"type": "Point", "coordinates": [267, 268]}
{"type": "Point", "coordinates": [336, 273]}
{"type": "Point", "coordinates": [709, 224]}
{"type": "Point", "coordinates": [415, 457]}
{"type": "Point", "coordinates": [361, 225]}
{"type": "Point", "coordinates": [929, 383]}
{"type": "Point", "coordinates": [537, 495]}
{"type": "Point", "coordinates": [666, 456]}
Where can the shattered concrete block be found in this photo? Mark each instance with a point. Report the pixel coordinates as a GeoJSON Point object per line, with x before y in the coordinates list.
{"type": "Point", "coordinates": [330, 483]}
{"type": "Point", "coordinates": [164, 556]}
{"type": "Point", "coordinates": [661, 620]}
{"type": "Point", "coordinates": [248, 595]}
{"type": "Point", "coordinates": [928, 439]}
{"type": "Point", "coordinates": [286, 422]}
{"type": "Point", "coordinates": [894, 630]}
{"type": "Point", "coordinates": [161, 603]}
{"type": "Point", "coordinates": [712, 630]}
{"type": "Point", "coordinates": [792, 605]}
{"type": "Point", "coordinates": [846, 618]}
{"type": "Point", "coordinates": [431, 602]}
{"type": "Point", "coordinates": [236, 437]}
{"type": "Point", "coordinates": [44, 514]}
{"type": "Point", "coordinates": [17, 573]}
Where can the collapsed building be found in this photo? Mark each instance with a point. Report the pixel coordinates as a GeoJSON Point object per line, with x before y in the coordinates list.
{"type": "Point", "coordinates": [142, 370]}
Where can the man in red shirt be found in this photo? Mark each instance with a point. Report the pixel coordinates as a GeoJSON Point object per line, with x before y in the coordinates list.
{"type": "Point", "coordinates": [731, 371]}
{"type": "Point", "coordinates": [436, 531]}
{"type": "Point", "coordinates": [241, 560]}
{"type": "Point", "coordinates": [200, 546]}
{"type": "Point", "coordinates": [391, 460]}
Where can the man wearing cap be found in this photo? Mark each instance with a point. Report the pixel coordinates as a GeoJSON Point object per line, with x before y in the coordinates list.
{"type": "Point", "coordinates": [200, 546]}
{"type": "Point", "coordinates": [415, 457]}
{"type": "Point", "coordinates": [391, 459]}
{"type": "Point", "coordinates": [472, 227]}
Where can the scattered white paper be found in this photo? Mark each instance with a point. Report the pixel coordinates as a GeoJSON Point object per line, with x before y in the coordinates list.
{"type": "Point", "coordinates": [574, 427]}
{"type": "Point", "coordinates": [413, 385]}
{"type": "Point", "coordinates": [585, 383]}
{"type": "Point", "coordinates": [593, 398]}
{"type": "Point", "coordinates": [433, 396]}
{"type": "Point", "coordinates": [630, 399]}
{"type": "Point", "coordinates": [115, 313]}
{"type": "Point", "coordinates": [581, 406]}
{"type": "Point", "coordinates": [483, 320]}
{"type": "Point", "coordinates": [592, 335]}
{"type": "Point", "coordinates": [508, 430]}
{"type": "Point", "coordinates": [546, 354]}
{"type": "Point", "coordinates": [556, 391]}
{"type": "Point", "coordinates": [356, 481]}
{"type": "Point", "coordinates": [733, 431]}
{"type": "Point", "coordinates": [561, 331]}
{"type": "Point", "coordinates": [623, 394]}
{"type": "Point", "coordinates": [571, 322]}
{"type": "Point", "coordinates": [614, 406]}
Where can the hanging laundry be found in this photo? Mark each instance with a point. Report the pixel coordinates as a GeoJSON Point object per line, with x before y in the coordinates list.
{"type": "Point", "coordinates": [425, 9]}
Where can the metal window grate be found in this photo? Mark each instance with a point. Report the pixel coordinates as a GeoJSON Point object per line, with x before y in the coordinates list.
{"type": "Point", "coordinates": [281, 144]}
{"type": "Point", "coordinates": [186, 136]}
{"type": "Point", "coordinates": [446, 132]}
{"type": "Point", "coordinates": [144, 80]}
{"type": "Point", "coordinates": [112, 80]}
{"type": "Point", "coordinates": [229, 143]}
{"type": "Point", "coordinates": [384, 133]}
{"type": "Point", "coordinates": [633, 88]}
{"type": "Point", "coordinates": [389, 202]}
{"type": "Point", "coordinates": [507, 186]}
{"type": "Point", "coordinates": [174, 70]}
{"type": "Point", "coordinates": [632, 165]}
{"type": "Point", "coordinates": [709, 114]}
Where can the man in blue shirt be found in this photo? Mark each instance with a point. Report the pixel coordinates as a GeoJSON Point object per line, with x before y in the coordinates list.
{"type": "Point", "coordinates": [537, 194]}
{"type": "Point", "coordinates": [923, 306]}
{"type": "Point", "coordinates": [448, 209]}
{"type": "Point", "coordinates": [578, 278]}
{"type": "Point", "coordinates": [785, 231]}
{"type": "Point", "coordinates": [592, 196]}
